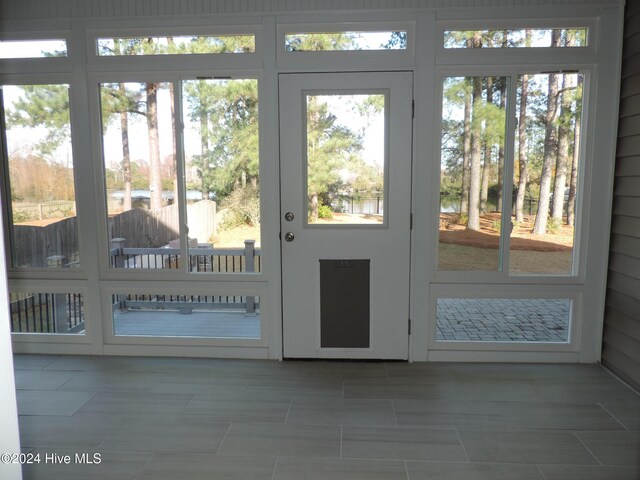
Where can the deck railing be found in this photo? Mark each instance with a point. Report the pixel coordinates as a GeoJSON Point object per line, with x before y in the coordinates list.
{"type": "Point", "coordinates": [46, 312]}
{"type": "Point", "coordinates": [185, 304]}
{"type": "Point", "coordinates": [201, 259]}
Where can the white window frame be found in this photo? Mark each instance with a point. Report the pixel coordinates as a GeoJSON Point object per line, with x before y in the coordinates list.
{"type": "Point", "coordinates": [577, 274]}
{"type": "Point", "coordinates": [184, 62]}
{"type": "Point", "coordinates": [543, 292]}
{"type": "Point", "coordinates": [485, 56]}
{"type": "Point", "coordinates": [338, 60]}
{"type": "Point", "coordinates": [181, 274]}
{"type": "Point", "coordinates": [131, 343]}
{"type": "Point", "coordinates": [67, 273]}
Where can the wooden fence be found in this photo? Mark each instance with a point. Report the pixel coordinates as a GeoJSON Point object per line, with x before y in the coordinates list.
{"type": "Point", "coordinates": [33, 244]}
{"type": "Point", "coordinates": [156, 228]}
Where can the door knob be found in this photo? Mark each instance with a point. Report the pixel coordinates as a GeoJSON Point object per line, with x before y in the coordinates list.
{"type": "Point", "coordinates": [289, 216]}
{"type": "Point", "coordinates": [289, 236]}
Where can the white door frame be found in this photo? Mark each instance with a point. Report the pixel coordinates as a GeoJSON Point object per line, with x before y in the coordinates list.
{"type": "Point", "coordinates": [389, 270]}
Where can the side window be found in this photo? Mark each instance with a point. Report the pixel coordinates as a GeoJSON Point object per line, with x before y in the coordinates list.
{"type": "Point", "coordinates": [43, 224]}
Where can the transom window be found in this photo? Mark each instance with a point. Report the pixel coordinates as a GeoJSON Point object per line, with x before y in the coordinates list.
{"type": "Point", "coordinates": [346, 41]}
{"type": "Point", "coordinates": [517, 38]}
{"type": "Point", "coordinates": [175, 45]}
{"type": "Point", "coordinates": [33, 48]}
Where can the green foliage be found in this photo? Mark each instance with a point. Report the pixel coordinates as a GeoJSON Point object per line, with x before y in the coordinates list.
{"type": "Point", "coordinates": [227, 113]}
{"type": "Point", "coordinates": [20, 216]}
{"type": "Point", "coordinates": [330, 147]}
{"type": "Point", "coordinates": [43, 106]}
{"type": "Point", "coordinates": [324, 211]}
{"type": "Point", "coordinates": [243, 207]}
{"type": "Point", "coordinates": [317, 42]}
{"type": "Point", "coordinates": [462, 219]}
{"type": "Point", "coordinates": [554, 225]}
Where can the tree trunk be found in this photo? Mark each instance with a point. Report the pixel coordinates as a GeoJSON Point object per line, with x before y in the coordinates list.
{"type": "Point", "coordinates": [503, 107]}
{"type": "Point", "coordinates": [174, 160]}
{"type": "Point", "coordinates": [155, 181]}
{"type": "Point", "coordinates": [466, 157]}
{"type": "Point", "coordinates": [126, 157]}
{"type": "Point", "coordinates": [523, 174]}
{"type": "Point", "coordinates": [573, 183]}
{"type": "Point", "coordinates": [564, 132]}
{"type": "Point", "coordinates": [486, 169]}
{"type": "Point", "coordinates": [314, 208]}
{"type": "Point", "coordinates": [550, 148]}
{"type": "Point", "coordinates": [476, 146]}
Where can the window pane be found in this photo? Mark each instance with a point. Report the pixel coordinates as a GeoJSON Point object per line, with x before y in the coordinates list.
{"type": "Point", "coordinates": [140, 174]}
{"type": "Point", "coordinates": [222, 174]}
{"type": "Point", "coordinates": [33, 48]}
{"type": "Point", "coordinates": [180, 45]}
{"type": "Point", "coordinates": [518, 38]}
{"type": "Point", "coordinates": [503, 320]}
{"type": "Point", "coordinates": [203, 316]}
{"type": "Point", "coordinates": [549, 112]}
{"type": "Point", "coordinates": [346, 157]}
{"type": "Point", "coordinates": [46, 313]}
{"type": "Point", "coordinates": [44, 227]}
{"type": "Point", "coordinates": [472, 160]}
{"type": "Point", "coordinates": [344, 41]}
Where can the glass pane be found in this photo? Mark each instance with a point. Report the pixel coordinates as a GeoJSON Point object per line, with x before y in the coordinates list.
{"type": "Point", "coordinates": [503, 320]}
{"type": "Point", "coordinates": [46, 313]}
{"type": "Point", "coordinates": [471, 165]}
{"type": "Point", "coordinates": [346, 161]}
{"type": "Point", "coordinates": [44, 226]}
{"type": "Point", "coordinates": [33, 48]}
{"type": "Point", "coordinates": [222, 174]}
{"type": "Point", "coordinates": [549, 113]}
{"type": "Point", "coordinates": [140, 174]}
{"type": "Point", "coordinates": [204, 316]}
{"type": "Point", "coordinates": [344, 41]}
{"type": "Point", "coordinates": [517, 38]}
{"type": "Point", "coordinates": [180, 45]}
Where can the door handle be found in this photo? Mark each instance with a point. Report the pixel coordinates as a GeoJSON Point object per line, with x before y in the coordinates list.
{"type": "Point", "coordinates": [289, 236]}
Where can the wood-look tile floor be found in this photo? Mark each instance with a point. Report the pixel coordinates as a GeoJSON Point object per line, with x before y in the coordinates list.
{"type": "Point", "coordinates": [163, 418]}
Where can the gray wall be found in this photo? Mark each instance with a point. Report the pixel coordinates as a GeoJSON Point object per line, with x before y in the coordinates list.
{"type": "Point", "coordinates": [621, 342]}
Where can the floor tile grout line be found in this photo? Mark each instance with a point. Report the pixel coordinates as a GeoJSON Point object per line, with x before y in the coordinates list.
{"type": "Point", "coordinates": [393, 409]}
{"type": "Point", "coordinates": [612, 416]}
{"type": "Point", "coordinates": [341, 439]}
{"type": "Point", "coordinates": [588, 449]}
{"type": "Point", "coordinates": [145, 466]}
{"type": "Point", "coordinates": [224, 437]}
{"type": "Point", "coordinates": [275, 466]}
{"type": "Point", "coordinates": [406, 469]}
{"type": "Point", "coordinates": [541, 472]}
{"type": "Point", "coordinates": [462, 444]}
{"type": "Point", "coordinates": [286, 417]}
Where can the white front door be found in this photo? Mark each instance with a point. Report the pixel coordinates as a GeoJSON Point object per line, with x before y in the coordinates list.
{"type": "Point", "coordinates": [345, 163]}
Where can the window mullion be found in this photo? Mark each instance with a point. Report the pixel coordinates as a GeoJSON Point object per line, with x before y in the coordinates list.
{"type": "Point", "coordinates": [180, 174]}
{"type": "Point", "coordinates": [507, 174]}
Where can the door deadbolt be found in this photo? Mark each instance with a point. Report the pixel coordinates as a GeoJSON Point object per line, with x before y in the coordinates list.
{"type": "Point", "coordinates": [289, 216]}
{"type": "Point", "coordinates": [289, 236]}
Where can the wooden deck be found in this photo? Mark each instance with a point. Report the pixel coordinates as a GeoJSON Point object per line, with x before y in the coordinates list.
{"type": "Point", "coordinates": [224, 324]}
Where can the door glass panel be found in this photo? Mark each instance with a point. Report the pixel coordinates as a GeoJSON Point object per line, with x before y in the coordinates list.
{"type": "Point", "coordinates": [549, 112]}
{"type": "Point", "coordinates": [43, 221]}
{"type": "Point", "coordinates": [222, 174]}
{"type": "Point", "coordinates": [140, 175]}
{"type": "Point", "coordinates": [345, 158]}
{"type": "Point", "coordinates": [471, 166]}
